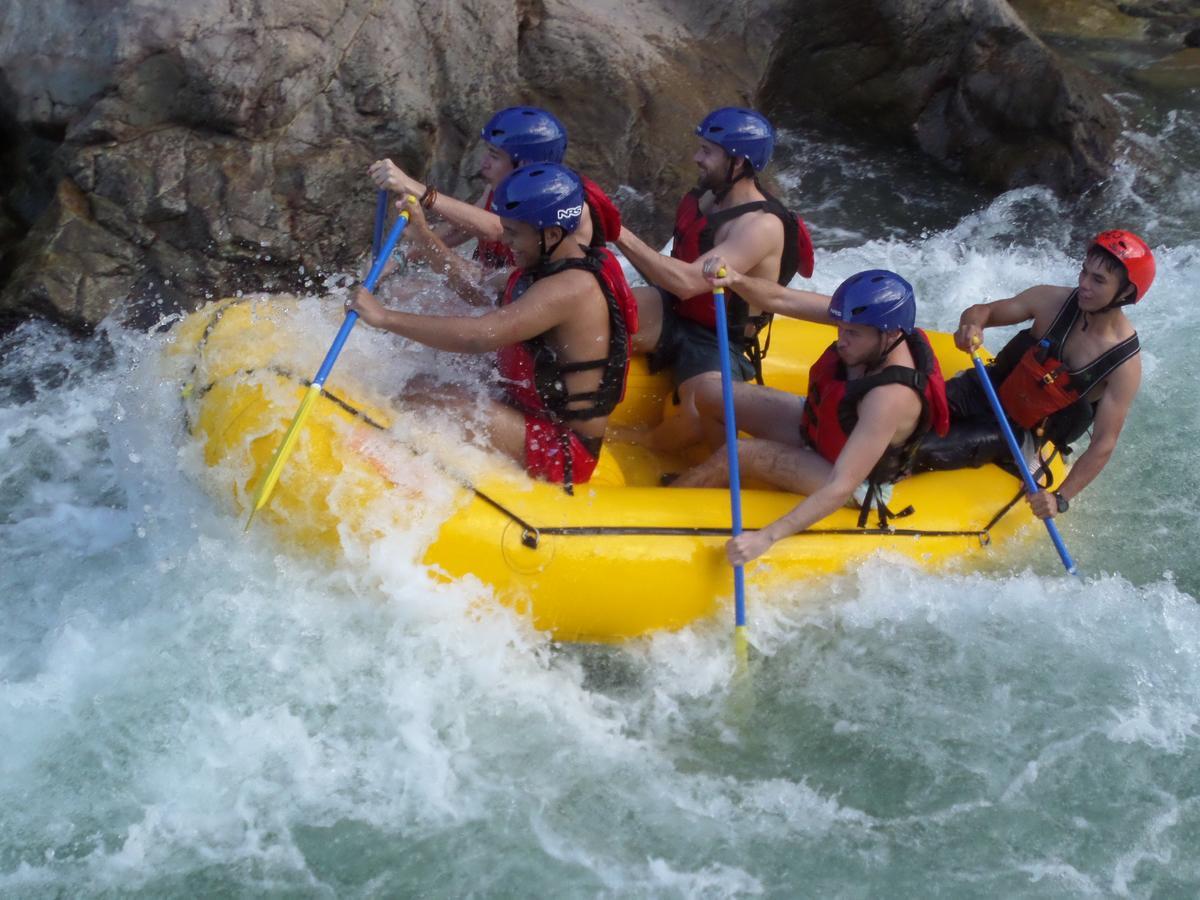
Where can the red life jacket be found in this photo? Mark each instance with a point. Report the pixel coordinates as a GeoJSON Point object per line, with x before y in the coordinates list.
{"type": "Point", "coordinates": [694, 236]}
{"type": "Point", "coordinates": [1040, 384]}
{"type": "Point", "coordinates": [493, 254]}
{"type": "Point", "coordinates": [831, 408]}
{"type": "Point", "coordinates": [532, 376]}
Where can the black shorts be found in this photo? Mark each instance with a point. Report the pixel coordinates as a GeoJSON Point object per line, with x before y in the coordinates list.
{"type": "Point", "coordinates": [689, 349]}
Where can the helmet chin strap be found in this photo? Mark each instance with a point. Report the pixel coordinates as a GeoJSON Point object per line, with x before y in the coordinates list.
{"type": "Point", "coordinates": [879, 359]}
{"type": "Point", "coordinates": [546, 253]}
{"type": "Point", "coordinates": [731, 179]}
{"type": "Point", "coordinates": [1130, 297]}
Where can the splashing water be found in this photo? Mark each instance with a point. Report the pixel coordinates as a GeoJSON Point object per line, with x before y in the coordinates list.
{"type": "Point", "coordinates": [186, 710]}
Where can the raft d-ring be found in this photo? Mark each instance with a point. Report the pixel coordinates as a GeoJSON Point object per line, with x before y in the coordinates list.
{"type": "Point", "coordinates": [985, 540]}
{"type": "Point", "coordinates": [525, 549]}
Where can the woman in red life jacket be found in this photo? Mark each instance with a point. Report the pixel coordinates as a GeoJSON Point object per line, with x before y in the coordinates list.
{"type": "Point", "coordinates": [729, 214]}
{"type": "Point", "coordinates": [1075, 366]}
{"type": "Point", "coordinates": [563, 301]}
{"type": "Point", "coordinates": [873, 394]}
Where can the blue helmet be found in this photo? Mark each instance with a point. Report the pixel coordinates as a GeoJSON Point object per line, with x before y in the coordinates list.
{"type": "Point", "coordinates": [878, 298]}
{"type": "Point", "coordinates": [541, 195]}
{"type": "Point", "coordinates": [740, 132]}
{"type": "Point", "coordinates": [527, 134]}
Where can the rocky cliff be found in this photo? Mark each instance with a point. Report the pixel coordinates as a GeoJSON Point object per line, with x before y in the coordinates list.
{"type": "Point", "coordinates": [161, 153]}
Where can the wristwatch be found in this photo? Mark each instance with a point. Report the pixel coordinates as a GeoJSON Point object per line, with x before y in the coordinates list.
{"type": "Point", "coordinates": [1063, 503]}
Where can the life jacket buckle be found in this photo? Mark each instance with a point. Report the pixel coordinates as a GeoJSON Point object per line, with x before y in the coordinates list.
{"type": "Point", "coordinates": [1052, 376]}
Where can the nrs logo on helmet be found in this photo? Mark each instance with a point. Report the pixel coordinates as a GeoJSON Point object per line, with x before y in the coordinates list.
{"type": "Point", "coordinates": [565, 215]}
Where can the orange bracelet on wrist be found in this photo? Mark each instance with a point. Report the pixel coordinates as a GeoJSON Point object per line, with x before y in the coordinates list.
{"type": "Point", "coordinates": [429, 197]}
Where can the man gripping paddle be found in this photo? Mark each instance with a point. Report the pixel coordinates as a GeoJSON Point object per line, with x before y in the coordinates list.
{"type": "Point", "coordinates": [561, 332]}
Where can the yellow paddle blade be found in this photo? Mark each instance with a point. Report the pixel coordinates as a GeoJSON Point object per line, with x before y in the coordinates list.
{"type": "Point", "coordinates": [740, 648]}
{"type": "Point", "coordinates": [267, 485]}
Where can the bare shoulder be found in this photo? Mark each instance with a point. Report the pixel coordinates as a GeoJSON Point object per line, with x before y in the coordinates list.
{"type": "Point", "coordinates": [1049, 295]}
{"type": "Point", "coordinates": [890, 403]}
{"type": "Point", "coordinates": [561, 287]}
{"type": "Point", "coordinates": [761, 224]}
{"type": "Point", "coordinates": [1128, 376]}
{"type": "Point", "coordinates": [1042, 303]}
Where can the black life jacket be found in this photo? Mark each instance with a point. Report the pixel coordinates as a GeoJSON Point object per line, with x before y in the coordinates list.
{"type": "Point", "coordinates": [695, 235]}
{"type": "Point", "coordinates": [1036, 388]}
{"type": "Point", "coordinates": [532, 374]}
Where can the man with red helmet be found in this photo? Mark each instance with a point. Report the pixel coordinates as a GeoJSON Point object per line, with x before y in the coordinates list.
{"type": "Point", "coordinates": [1076, 366]}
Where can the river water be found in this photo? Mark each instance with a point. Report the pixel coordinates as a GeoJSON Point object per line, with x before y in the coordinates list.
{"type": "Point", "coordinates": [185, 710]}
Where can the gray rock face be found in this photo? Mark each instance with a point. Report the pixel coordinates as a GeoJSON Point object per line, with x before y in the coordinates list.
{"type": "Point", "coordinates": [173, 151]}
{"type": "Point", "coordinates": [966, 80]}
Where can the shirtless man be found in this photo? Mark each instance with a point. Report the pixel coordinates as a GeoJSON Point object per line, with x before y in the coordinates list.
{"type": "Point", "coordinates": [728, 215]}
{"type": "Point", "coordinates": [1076, 366]}
{"type": "Point", "coordinates": [562, 305]}
{"type": "Point", "coordinates": [872, 395]}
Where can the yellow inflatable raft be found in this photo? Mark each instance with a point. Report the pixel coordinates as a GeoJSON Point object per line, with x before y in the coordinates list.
{"type": "Point", "coordinates": [621, 557]}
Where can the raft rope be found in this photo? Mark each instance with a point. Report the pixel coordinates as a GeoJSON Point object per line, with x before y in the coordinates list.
{"type": "Point", "coordinates": [531, 534]}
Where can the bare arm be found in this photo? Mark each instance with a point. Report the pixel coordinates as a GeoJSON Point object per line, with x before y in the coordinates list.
{"type": "Point", "coordinates": [1010, 311]}
{"type": "Point", "coordinates": [1110, 419]}
{"type": "Point", "coordinates": [476, 221]}
{"type": "Point", "coordinates": [770, 296]}
{"type": "Point", "coordinates": [545, 305]}
{"type": "Point", "coordinates": [462, 275]}
{"type": "Point", "coordinates": [880, 415]}
{"type": "Point", "coordinates": [743, 250]}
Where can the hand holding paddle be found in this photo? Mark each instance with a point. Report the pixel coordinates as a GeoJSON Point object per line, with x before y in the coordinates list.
{"type": "Point", "coordinates": [735, 482]}
{"type": "Point", "coordinates": [1014, 448]}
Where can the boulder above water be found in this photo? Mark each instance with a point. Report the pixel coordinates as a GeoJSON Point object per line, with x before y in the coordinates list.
{"type": "Point", "coordinates": [966, 80]}
{"type": "Point", "coordinates": [168, 152]}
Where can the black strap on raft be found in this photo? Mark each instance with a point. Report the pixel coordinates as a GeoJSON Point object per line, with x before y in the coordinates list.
{"type": "Point", "coordinates": [756, 349]}
{"type": "Point", "coordinates": [875, 497]}
{"type": "Point", "coordinates": [531, 534]}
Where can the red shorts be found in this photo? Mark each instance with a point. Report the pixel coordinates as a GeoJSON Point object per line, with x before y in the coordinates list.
{"type": "Point", "coordinates": [546, 452]}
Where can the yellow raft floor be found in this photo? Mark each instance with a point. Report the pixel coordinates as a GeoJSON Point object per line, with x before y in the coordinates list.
{"type": "Point", "coordinates": [620, 558]}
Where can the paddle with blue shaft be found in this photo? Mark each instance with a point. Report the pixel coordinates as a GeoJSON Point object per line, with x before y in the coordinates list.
{"type": "Point", "coordinates": [735, 481]}
{"type": "Point", "coordinates": [1015, 449]}
{"type": "Point", "coordinates": [267, 485]}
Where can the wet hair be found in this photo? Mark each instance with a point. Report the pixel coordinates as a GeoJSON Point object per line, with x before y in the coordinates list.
{"type": "Point", "coordinates": [1112, 265]}
{"type": "Point", "coordinates": [599, 239]}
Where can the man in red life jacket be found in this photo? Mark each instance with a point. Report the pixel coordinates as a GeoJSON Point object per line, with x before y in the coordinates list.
{"type": "Point", "coordinates": [513, 137]}
{"type": "Point", "coordinates": [729, 214]}
{"type": "Point", "coordinates": [1076, 366]}
{"type": "Point", "coordinates": [562, 304]}
{"type": "Point", "coordinates": [873, 394]}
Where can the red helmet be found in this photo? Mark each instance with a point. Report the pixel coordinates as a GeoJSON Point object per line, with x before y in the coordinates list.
{"type": "Point", "coordinates": [1132, 251]}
